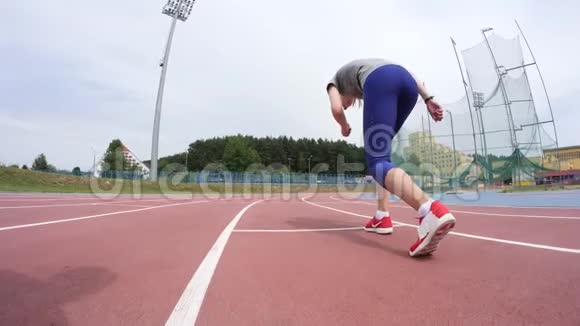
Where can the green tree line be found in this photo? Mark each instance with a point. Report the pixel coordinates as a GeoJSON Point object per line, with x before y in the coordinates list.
{"type": "Point", "coordinates": [238, 152]}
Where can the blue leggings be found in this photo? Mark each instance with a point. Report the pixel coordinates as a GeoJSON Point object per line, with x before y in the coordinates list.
{"type": "Point", "coordinates": [390, 94]}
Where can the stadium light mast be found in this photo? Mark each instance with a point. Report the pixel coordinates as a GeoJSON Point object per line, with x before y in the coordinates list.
{"type": "Point", "coordinates": [453, 140]}
{"type": "Point", "coordinates": [178, 10]}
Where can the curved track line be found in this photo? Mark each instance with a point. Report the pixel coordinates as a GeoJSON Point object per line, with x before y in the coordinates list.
{"type": "Point", "coordinates": [494, 206]}
{"type": "Point", "coordinates": [480, 213]}
{"type": "Point", "coordinates": [23, 226]}
{"type": "Point", "coordinates": [86, 204]}
{"type": "Point", "coordinates": [188, 306]}
{"type": "Point", "coordinates": [347, 212]}
{"type": "Point", "coordinates": [471, 236]}
{"type": "Point", "coordinates": [296, 230]}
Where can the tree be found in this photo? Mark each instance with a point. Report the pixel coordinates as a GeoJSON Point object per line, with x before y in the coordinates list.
{"type": "Point", "coordinates": [40, 163]}
{"type": "Point", "coordinates": [238, 155]}
{"type": "Point", "coordinates": [270, 150]}
{"type": "Point", "coordinates": [25, 167]}
{"type": "Point", "coordinates": [114, 160]}
{"type": "Point", "coordinates": [76, 171]}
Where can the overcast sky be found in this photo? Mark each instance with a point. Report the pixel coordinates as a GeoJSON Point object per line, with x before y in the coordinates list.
{"type": "Point", "coordinates": [76, 74]}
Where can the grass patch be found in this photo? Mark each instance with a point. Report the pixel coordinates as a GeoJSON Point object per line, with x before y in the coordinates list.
{"type": "Point", "coordinates": [17, 180]}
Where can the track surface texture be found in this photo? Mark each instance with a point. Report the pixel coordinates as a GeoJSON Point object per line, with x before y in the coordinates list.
{"type": "Point", "coordinates": [301, 260]}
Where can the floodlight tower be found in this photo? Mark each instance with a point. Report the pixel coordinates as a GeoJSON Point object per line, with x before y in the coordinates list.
{"type": "Point", "coordinates": [178, 10]}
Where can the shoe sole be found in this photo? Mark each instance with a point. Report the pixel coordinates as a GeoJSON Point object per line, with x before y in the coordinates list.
{"type": "Point", "coordinates": [431, 241]}
{"type": "Point", "coordinates": [380, 231]}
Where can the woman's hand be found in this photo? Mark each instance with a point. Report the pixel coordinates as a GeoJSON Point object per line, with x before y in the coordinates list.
{"type": "Point", "coordinates": [433, 106]}
{"type": "Point", "coordinates": [435, 110]}
{"type": "Point", "coordinates": [345, 130]}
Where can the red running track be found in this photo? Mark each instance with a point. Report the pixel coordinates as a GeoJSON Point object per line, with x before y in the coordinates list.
{"type": "Point", "coordinates": [153, 262]}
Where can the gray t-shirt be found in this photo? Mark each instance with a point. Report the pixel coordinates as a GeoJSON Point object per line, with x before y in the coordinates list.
{"type": "Point", "coordinates": [351, 77]}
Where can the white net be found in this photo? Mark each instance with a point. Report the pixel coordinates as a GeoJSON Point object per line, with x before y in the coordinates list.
{"type": "Point", "coordinates": [497, 128]}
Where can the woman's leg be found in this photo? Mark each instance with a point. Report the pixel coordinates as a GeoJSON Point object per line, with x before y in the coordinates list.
{"type": "Point", "coordinates": [379, 119]}
{"type": "Point", "coordinates": [397, 180]}
{"type": "Point", "coordinates": [382, 199]}
{"type": "Point", "coordinates": [389, 95]}
{"type": "Point", "coordinates": [401, 185]}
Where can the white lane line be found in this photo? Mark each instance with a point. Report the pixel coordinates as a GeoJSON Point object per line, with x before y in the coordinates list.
{"type": "Point", "coordinates": [85, 197]}
{"type": "Point", "coordinates": [364, 203]}
{"type": "Point", "coordinates": [23, 226]}
{"type": "Point", "coordinates": [84, 204]}
{"type": "Point", "coordinates": [187, 308]}
{"type": "Point", "coordinates": [518, 215]}
{"type": "Point", "coordinates": [296, 230]}
{"type": "Point", "coordinates": [127, 205]}
{"type": "Point", "coordinates": [328, 202]}
{"type": "Point", "coordinates": [472, 236]}
{"type": "Point", "coordinates": [346, 212]}
{"type": "Point", "coordinates": [2, 199]}
{"type": "Point", "coordinates": [354, 199]}
{"type": "Point", "coordinates": [481, 213]}
{"type": "Point", "coordinates": [517, 243]}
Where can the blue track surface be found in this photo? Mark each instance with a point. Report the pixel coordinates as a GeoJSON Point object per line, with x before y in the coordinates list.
{"type": "Point", "coordinates": [567, 198]}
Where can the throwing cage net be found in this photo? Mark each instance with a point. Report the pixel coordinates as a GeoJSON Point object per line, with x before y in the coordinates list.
{"type": "Point", "coordinates": [493, 135]}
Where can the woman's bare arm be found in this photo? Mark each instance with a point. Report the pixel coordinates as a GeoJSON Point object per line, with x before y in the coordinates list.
{"type": "Point", "coordinates": [433, 106]}
{"type": "Point", "coordinates": [337, 109]}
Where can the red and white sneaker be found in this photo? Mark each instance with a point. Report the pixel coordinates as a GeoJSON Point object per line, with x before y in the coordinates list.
{"type": "Point", "coordinates": [432, 229]}
{"type": "Point", "coordinates": [382, 226]}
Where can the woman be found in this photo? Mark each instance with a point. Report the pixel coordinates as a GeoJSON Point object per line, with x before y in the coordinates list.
{"type": "Point", "coordinates": [390, 93]}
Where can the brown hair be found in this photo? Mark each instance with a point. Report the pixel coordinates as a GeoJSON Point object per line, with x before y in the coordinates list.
{"type": "Point", "coordinates": [357, 102]}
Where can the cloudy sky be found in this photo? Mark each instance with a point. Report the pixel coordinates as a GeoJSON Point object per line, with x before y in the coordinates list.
{"type": "Point", "coordinates": [76, 74]}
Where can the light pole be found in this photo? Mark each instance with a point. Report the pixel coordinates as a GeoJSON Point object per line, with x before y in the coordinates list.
{"type": "Point", "coordinates": [453, 140]}
{"type": "Point", "coordinates": [309, 158]}
{"type": "Point", "coordinates": [178, 10]}
{"type": "Point", "coordinates": [290, 168]}
{"type": "Point", "coordinates": [94, 161]}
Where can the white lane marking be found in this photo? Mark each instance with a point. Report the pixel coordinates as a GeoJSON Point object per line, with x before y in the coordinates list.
{"type": "Point", "coordinates": [23, 226]}
{"type": "Point", "coordinates": [354, 199]}
{"type": "Point", "coordinates": [84, 204]}
{"type": "Point", "coordinates": [90, 196]}
{"type": "Point", "coordinates": [127, 205]}
{"type": "Point", "coordinates": [296, 230]}
{"type": "Point", "coordinates": [107, 198]}
{"type": "Point", "coordinates": [365, 203]}
{"type": "Point", "coordinates": [518, 215]}
{"type": "Point", "coordinates": [472, 236]}
{"type": "Point", "coordinates": [517, 243]}
{"type": "Point", "coordinates": [345, 212]}
{"type": "Point", "coordinates": [25, 198]}
{"type": "Point", "coordinates": [52, 199]}
{"type": "Point", "coordinates": [481, 213]}
{"type": "Point", "coordinates": [187, 308]}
